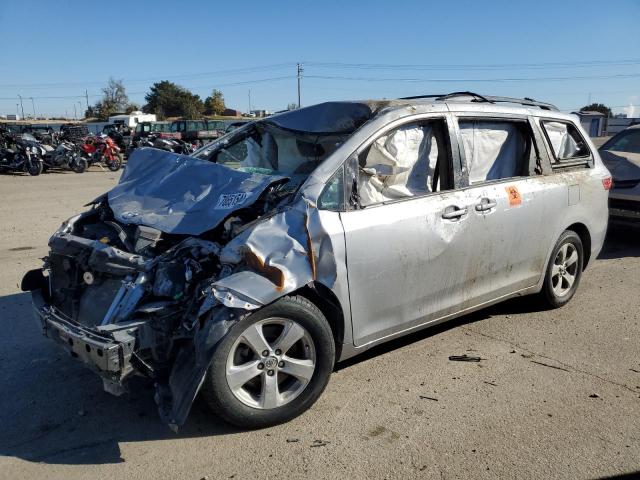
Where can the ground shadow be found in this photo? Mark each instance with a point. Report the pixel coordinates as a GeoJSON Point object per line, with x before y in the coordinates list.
{"type": "Point", "coordinates": [623, 240]}
{"type": "Point", "coordinates": [53, 409]}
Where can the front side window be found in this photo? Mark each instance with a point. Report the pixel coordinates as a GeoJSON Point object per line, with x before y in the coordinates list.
{"type": "Point", "coordinates": [496, 149]}
{"type": "Point", "coordinates": [406, 162]}
{"type": "Point", "coordinates": [565, 140]}
{"type": "Point", "coordinates": [332, 198]}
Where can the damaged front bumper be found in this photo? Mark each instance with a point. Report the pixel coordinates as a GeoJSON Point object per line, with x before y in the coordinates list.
{"type": "Point", "coordinates": [109, 357]}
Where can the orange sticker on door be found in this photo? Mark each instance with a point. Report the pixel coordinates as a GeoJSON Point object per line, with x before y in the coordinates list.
{"type": "Point", "coordinates": [514, 196]}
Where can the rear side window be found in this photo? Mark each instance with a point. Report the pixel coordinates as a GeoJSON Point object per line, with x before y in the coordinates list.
{"type": "Point", "coordinates": [565, 140]}
{"type": "Point", "coordinates": [496, 149]}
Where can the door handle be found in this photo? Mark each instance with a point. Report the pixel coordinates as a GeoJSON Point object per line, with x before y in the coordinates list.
{"type": "Point", "coordinates": [453, 212]}
{"type": "Point", "coordinates": [486, 204]}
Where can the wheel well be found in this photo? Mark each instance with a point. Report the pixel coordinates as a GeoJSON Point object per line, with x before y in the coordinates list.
{"type": "Point", "coordinates": [323, 298]}
{"type": "Point", "coordinates": [585, 237]}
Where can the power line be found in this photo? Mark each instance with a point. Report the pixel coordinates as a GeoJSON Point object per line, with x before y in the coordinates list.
{"type": "Point", "coordinates": [230, 72]}
{"type": "Point", "coordinates": [546, 65]}
{"type": "Point", "coordinates": [472, 80]}
{"type": "Point", "coordinates": [229, 84]}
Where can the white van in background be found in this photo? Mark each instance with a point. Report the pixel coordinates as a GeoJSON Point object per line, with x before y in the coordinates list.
{"type": "Point", "coordinates": [133, 118]}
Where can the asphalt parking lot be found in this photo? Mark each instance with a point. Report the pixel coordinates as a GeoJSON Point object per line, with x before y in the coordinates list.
{"type": "Point", "coordinates": [556, 395]}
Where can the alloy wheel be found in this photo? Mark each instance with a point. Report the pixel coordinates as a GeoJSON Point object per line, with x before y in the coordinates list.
{"type": "Point", "coordinates": [271, 363]}
{"type": "Point", "coordinates": [564, 270]}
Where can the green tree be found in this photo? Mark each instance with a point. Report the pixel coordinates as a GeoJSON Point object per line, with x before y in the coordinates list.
{"type": "Point", "coordinates": [132, 107]}
{"type": "Point", "coordinates": [166, 99]}
{"type": "Point", "coordinates": [214, 105]}
{"type": "Point", "coordinates": [597, 107]}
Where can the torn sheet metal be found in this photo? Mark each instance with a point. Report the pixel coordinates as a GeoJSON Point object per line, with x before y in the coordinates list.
{"type": "Point", "coordinates": [278, 255]}
{"type": "Point", "coordinates": [180, 194]}
{"type": "Point", "coordinates": [176, 396]}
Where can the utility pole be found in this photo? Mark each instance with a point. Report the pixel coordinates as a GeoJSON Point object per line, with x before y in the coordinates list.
{"type": "Point", "coordinates": [34, 108]}
{"type": "Point", "coordinates": [80, 106]}
{"type": "Point", "coordinates": [75, 112]}
{"type": "Point", "coordinates": [86, 96]}
{"type": "Point", "coordinates": [300, 70]}
{"type": "Point", "coordinates": [17, 110]}
{"type": "Point", "coordinates": [249, 101]}
{"type": "Point", "coordinates": [21, 107]}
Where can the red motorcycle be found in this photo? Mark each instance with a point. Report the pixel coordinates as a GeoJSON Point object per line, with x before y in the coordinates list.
{"type": "Point", "coordinates": [102, 150]}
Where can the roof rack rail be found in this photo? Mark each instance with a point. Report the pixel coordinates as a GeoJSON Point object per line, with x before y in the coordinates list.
{"type": "Point", "coordinates": [529, 102]}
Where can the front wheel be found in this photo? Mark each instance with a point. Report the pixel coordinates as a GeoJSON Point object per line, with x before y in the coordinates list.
{"type": "Point", "coordinates": [563, 271]}
{"type": "Point", "coordinates": [34, 167]}
{"type": "Point", "coordinates": [272, 365]}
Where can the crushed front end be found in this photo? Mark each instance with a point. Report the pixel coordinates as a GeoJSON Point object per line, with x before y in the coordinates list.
{"type": "Point", "coordinates": [125, 299]}
{"type": "Point", "coordinates": [130, 299]}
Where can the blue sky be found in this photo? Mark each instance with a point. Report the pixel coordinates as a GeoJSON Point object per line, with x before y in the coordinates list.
{"type": "Point", "coordinates": [562, 51]}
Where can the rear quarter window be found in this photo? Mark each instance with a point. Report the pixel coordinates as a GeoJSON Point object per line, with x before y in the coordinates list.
{"type": "Point", "coordinates": [566, 143]}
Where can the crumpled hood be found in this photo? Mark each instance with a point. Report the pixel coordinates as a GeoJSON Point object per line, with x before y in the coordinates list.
{"type": "Point", "coordinates": [622, 165]}
{"type": "Point", "coordinates": [181, 194]}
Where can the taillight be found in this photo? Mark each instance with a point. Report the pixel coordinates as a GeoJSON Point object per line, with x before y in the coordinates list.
{"type": "Point", "coordinates": [607, 183]}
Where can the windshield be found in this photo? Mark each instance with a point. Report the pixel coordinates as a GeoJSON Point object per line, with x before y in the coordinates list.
{"type": "Point", "coordinates": [28, 137]}
{"type": "Point", "coordinates": [628, 141]}
{"type": "Point", "coordinates": [269, 150]}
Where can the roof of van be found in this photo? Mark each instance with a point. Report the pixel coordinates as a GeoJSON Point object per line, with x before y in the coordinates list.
{"type": "Point", "coordinates": [344, 117]}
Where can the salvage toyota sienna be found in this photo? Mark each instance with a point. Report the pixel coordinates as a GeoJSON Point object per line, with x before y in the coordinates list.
{"type": "Point", "coordinates": [245, 271]}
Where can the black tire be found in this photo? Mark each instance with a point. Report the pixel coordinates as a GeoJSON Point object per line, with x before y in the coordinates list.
{"type": "Point", "coordinates": [548, 295]}
{"type": "Point", "coordinates": [217, 393]}
{"type": "Point", "coordinates": [115, 164]}
{"type": "Point", "coordinates": [35, 168]}
{"type": "Point", "coordinates": [81, 165]}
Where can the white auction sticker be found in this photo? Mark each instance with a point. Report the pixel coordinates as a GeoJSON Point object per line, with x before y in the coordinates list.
{"type": "Point", "coordinates": [230, 200]}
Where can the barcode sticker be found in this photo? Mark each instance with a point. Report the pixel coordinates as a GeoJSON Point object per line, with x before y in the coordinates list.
{"type": "Point", "coordinates": [230, 200]}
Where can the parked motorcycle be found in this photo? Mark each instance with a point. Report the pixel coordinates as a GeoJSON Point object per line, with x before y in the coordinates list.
{"type": "Point", "coordinates": [20, 154]}
{"type": "Point", "coordinates": [102, 149]}
{"type": "Point", "coordinates": [173, 145]}
{"type": "Point", "coordinates": [65, 155]}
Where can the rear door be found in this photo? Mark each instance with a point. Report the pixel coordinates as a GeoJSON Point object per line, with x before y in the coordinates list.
{"type": "Point", "coordinates": [504, 161]}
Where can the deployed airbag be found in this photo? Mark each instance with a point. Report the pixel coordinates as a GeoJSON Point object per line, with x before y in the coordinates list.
{"type": "Point", "coordinates": [494, 150]}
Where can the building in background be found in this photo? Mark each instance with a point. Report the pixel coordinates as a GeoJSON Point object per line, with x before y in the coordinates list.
{"type": "Point", "coordinates": [593, 122]}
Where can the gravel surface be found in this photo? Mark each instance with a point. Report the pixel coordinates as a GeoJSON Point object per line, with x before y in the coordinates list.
{"type": "Point", "coordinates": [556, 394]}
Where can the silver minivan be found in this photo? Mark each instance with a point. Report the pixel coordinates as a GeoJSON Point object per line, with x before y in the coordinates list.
{"type": "Point", "coordinates": [247, 270]}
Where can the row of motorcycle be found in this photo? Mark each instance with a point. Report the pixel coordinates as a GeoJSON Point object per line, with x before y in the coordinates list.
{"type": "Point", "coordinates": [22, 152]}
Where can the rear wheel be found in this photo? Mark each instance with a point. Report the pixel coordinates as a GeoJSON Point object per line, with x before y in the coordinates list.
{"type": "Point", "coordinates": [563, 271]}
{"type": "Point", "coordinates": [115, 164]}
{"type": "Point", "coordinates": [272, 365]}
{"type": "Point", "coordinates": [80, 165]}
